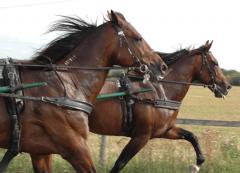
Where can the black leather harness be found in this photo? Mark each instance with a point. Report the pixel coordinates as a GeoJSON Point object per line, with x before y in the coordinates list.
{"type": "Point", "coordinates": [10, 77]}
{"type": "Point", "coordinates": [160, 103]}
{"type": "Point", "coordinates": [126, 102]}
{"type": "Point", "coordinates": [130, 99]}
{"type": "Point", "coordinates": [69, 103]}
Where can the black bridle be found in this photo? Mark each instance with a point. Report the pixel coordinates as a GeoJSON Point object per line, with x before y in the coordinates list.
{"type": "Point", "coordinates": [142, 67]}
{"type": "Point", "coordinates": [212, 73]}
{"type": "Point", "coordinates": [205, 63]}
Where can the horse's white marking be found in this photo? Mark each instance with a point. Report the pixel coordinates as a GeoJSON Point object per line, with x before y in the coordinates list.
{"type": "Point", "coordinates": [194, 168]}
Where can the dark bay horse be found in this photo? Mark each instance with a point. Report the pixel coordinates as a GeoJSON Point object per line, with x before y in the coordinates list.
{"type": "Point", "coordinates": [49, 129]}
{"type": "Point", "coordinates": [148, 121]}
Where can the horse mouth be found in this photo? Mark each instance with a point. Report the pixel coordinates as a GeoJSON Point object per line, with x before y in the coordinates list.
{"type": "Point", "coordinates": [219, 94]}
{"type": "Point", "coordinates": [219, 91]}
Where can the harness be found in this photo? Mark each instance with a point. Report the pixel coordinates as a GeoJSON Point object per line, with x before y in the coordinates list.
{"type": "Point", "coordinates": [70, 104]}
{"type": "Point", "coordinates": [10, 77]}
{"type": "Point", "coordinates": [160, 103]}
{"type": "Point", "coordinates": [129, 100]}
{"type": "Point", "coordinates": [126, 102]}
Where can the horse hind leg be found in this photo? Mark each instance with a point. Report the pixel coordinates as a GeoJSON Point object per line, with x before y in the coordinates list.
{"type": "Point", "coordinates": [179, 133]}
{"type": "Point", "coordinates": [194, 169]}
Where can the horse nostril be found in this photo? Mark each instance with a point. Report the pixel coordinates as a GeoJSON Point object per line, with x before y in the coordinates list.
{"type": "Point", "coordinates": [164, 68]}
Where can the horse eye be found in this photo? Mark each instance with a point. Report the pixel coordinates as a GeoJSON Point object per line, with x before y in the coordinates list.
{"type": "Point", "coordinates": [137, 38]}
{"type": "Point", "coordinates": [215, 63]}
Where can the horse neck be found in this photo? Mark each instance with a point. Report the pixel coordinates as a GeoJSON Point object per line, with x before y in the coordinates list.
{"type": "Point", "coordinates": [95, 51]}
{"type": "Point", "coordinates": [184, 70]}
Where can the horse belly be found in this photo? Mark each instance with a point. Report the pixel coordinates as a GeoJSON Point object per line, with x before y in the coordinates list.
{"type": "Point", "coordinates": [106, 118]}
{"type": "Point", "coordinates": [164, 120]}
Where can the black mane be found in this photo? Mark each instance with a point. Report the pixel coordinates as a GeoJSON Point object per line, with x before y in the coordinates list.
{"type": "Point", "coordinates": [171, 58]}
{"type": "Point", "coordinates": [75, 29]}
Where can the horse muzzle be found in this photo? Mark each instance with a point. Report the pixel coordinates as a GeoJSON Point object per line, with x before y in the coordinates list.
{"type": "Point", "coordinates": [220, 91]}
{"type": "Point", "coordinates": [158, 70]}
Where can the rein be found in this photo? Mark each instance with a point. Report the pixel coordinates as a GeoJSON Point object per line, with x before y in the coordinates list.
{"type": "Point", "coordinates": [205, 63]}
{"type": "Point", "coordinates": [183, 83]}
{"type": "Point", "coordinates": [171, 81]}
{"type": "Point", "coordinates": [66, 68]}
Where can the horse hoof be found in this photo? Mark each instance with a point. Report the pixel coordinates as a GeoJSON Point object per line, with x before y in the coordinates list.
{"type": "Point", "coordinates": [194, 169]}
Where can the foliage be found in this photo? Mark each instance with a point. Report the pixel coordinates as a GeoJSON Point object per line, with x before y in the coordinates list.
{"type": "Point", "coordinates": [235, 81]}
{"type": "Point", "coordinates": [233, 76]}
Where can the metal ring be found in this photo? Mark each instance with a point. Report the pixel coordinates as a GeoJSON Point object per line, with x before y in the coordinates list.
{"type": "Point", "coordinates": [143, 68]}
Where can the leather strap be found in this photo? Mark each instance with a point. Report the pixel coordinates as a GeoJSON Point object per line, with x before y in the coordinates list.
{"type": "Point", "coordinates": [70, 104]}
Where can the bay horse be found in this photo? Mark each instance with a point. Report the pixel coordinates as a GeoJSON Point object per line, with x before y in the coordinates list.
{"type": "Point", "coordinates": [148, 121]}
{"type": "Point", "coordinates": [49, 129]}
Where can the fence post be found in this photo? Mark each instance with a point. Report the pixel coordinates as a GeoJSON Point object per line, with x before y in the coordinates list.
{"type": "Point", "coordinates": [102, 152]}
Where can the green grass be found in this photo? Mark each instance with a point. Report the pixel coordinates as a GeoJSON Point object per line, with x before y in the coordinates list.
{"type": "Point", "coordinates": [201, 104]}
{"type": "Point", "coordinates": [220, 145]}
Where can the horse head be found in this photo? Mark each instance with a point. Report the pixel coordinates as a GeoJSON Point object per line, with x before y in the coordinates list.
{"type": "Point", "coordinates": [132, 43]}
{"type": "Point", "coordinates": [211, 74]}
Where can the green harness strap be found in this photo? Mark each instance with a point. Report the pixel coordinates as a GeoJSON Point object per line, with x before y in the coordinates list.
{"type": "Point", "coordinates": [119, 94]}
{"type": "Point", "coordinates": [6, 89]}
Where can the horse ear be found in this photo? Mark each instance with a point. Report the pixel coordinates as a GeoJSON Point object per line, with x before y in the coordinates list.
{"type": "Point", "coordinates": [113, 17]}
{"type": "Point", "coordinates": [211, 44]}
{"type": "Point", "coordinates": [117, 18]}
{"type": "Point", "coordinates": [208, 45]}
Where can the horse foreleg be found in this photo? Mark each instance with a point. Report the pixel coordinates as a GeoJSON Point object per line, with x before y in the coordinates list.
{"type": "Point", "coordinates": [41, 163]}
{"type": "Point", "coordinates": [80, 159]}
{"type": "Point", "coordinates": [179, 133]}
{"type": "Point", "coordinates": [130, 150]}
{"type": "Point", "coordinates": [69, 134]}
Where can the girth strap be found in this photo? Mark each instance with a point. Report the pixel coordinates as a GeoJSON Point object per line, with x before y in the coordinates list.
{"type": "Point", "coordinates": [167, 104]}
{"type": "Point", "coordinates": [70, 104]}
{"type": "Point", "coordinates": [159, 103]}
